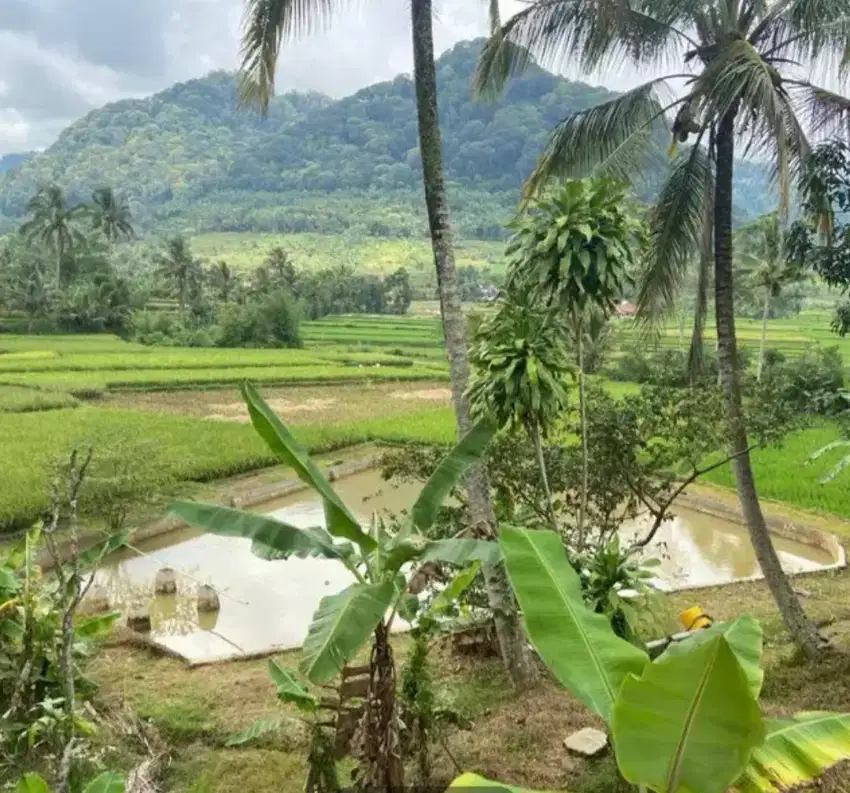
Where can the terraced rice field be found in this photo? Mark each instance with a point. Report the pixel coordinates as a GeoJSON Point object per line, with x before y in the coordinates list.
{"type": "Point", "coordinates": [162, 419]}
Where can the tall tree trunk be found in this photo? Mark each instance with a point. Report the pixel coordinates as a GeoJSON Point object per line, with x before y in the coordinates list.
{"type": "Point", "coordinates": [764, 318]}
{"type": "Point", "coordinates": [60, 254]}
{"type": "Point", "coordinates": [534, 432]}
{"type": "Point", "coordinates": [801, 629]}
{"type": "Point", "coordinates": [582, 406]}
{"type": "Point", "coordinates": [512, 642]}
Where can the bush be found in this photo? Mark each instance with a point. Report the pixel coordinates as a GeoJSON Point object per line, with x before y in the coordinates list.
{"type": "Point", "coordinates": [270, 322]}
{"type": "Point", "coordinates": [812, 383]}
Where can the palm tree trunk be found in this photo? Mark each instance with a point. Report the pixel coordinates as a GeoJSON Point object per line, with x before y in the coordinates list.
{"type": "Point", "coordinates": [801, 629]}
{"type": "Point", "coordinates": [582, 407]}
{"type": "Point", "coordinates": [765, 315]}
{"type": "Point", "coordinates": [534, 432]}
{"type": "Point", "coordinates": [60, 253]}
{"type": "Point", "coordinates": [512, 642]}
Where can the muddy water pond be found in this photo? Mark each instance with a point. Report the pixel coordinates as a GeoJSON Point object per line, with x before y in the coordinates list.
{"type": "Point", "coordinates": [266, 605]}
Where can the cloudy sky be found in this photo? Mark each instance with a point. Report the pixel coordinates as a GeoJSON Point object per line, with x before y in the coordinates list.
{"type": "Point", "coordinates": [61, 58]}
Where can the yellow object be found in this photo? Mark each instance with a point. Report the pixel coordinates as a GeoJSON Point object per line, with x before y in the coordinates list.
{"type": "Point", "coordinates": [694, 619]}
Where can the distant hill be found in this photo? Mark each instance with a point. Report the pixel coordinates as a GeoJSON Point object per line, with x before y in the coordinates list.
{"type": "Point", "coordinates": [13, 160]}
{"type": "Point", "coordinates": [190, 158]}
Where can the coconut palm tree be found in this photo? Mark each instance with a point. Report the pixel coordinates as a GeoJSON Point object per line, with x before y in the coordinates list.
{"type": "Point", "coordinates": [739, 86]}
{"type": "Point", "coordinates": [51, 222]}
{"type": "Point", "coordinates": [767, 269]}
{"type": "Point", "coordinates": [180, 269]}
{"type": "Point", "coordinates": [225, 282]}
{"type": "Point", "coordinates": [111, 215]}
{"type": "Point", "coordinates": [267, 24]}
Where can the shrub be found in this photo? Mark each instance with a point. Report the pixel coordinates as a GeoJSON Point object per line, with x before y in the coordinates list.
{"type": "Point", "coordinates": [270, 322]}
{"type": "Point", "coordinates": [812, 383]}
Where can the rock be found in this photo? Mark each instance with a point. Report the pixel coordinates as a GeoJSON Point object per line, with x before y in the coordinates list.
{"type": "Point", "coordinates": [236, 502]}
{"type": "Point", "coordinates": [208, 598]}
{"type": "Point", "coordinates": [588, 742]}
{"type": "Point", "coordinates": [95, 602]}
{"type": "Point", "coordinates": [803, 593]}
{"type": "Point", "coordinates": [139, 621]}
{"type": "Point", "coordinates": [166, 582]}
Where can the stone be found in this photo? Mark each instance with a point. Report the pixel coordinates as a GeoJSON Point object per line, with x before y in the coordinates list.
{"type": "Point", "coordinates": [139, 621]}
{"type": "Point", "coordinates": [588, 742]}
{"type": "Point", "coordinates": [166, 582]}
{"type": "Point", "coordinates": [803, 593]}
{"type": "Point", "coordinates": [208, 598]}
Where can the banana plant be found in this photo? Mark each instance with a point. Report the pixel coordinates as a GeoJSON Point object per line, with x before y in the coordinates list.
{"type": "Point", "coordinates": [382, 565]}
{"type": "Point", "coordinates": [107, 782]}
{"type": "Point", "coordinates": [690, 721]}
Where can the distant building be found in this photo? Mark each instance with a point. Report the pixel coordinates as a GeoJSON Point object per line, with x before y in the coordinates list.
{"type": "Point", "coordinates": [626, 310]}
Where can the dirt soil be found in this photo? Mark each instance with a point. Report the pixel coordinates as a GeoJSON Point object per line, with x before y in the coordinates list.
{"type": "Point", "coordinates": [296, 404]}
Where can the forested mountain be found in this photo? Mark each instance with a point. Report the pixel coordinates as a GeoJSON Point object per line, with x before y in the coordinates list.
{"type": "Point", "coordinates": [14, 160]}
{"type": "Point", "coordinates": [190, 158]}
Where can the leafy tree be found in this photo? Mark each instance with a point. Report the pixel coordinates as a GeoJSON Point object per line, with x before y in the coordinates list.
{"type": "Point", "coordinates": [51, 222]}
{"type": "Point", "coordinates": [181, 270]}
{"type": "Point", "coordinates": [363, 613]}
{"type": "Point", "coordinates": [224, 281]}
{"type": "Point", "coordinates": [735, 87]}
{"type": "Point", "coordinates": [268, 24]}
{"type": "Point", "coordinates": [767, 269]}
{"type": "Point", "coordinates": [398, 292]}
{"type": "Point", "coordinates": [574, 250]}
{"type": "Point", "coordinates": [281, 270]}
{"type": "Point", "coordinates": [520, 364]}
{"type": "Point", "coordinates": [111, 215]}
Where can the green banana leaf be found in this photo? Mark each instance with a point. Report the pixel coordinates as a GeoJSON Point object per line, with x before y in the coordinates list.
{"type": "Point", "coordinates": [340, 627]}
{"type": "Point", "coordinates": [449, 472]}
{"type": "Point", "coordinates": [269, 534]}
{"type": "Point", "coordinates": [745, 640]}
{"type": "Point", "coordinates": [289, 690]}
{"type": "Point", "coordinates": [689, 724]}
{"type": "Point", "coordinates": [796, 751]}
{"type": "Point", "coordinates": [454, 589]}
{"type": "Point", "coordinates": [256, 729]}
{"type": "Point", "coordinates": [577, 645]}
{"type": "Point", "coordinates": [462, 552]}
{"type": "Point", "coordinates": [32, 783]}
{"type": "Point", "coordinates": [340, 521]}
{"type": "Point", "coordinates": [473, 781]}
{"type": "Point", "coordinates": [108, 782]}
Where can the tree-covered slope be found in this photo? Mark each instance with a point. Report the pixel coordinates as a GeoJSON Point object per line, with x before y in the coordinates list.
{"type": "Point", "coordinates": [191, 158]}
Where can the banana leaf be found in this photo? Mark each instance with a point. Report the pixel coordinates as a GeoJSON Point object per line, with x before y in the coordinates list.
{"type": "Point", "coordinates": [108, 782]}
{"type": "Point", "coordinates": [745, 640]}
{"type": "Point", "coordinates": [256, 729]}
{"type": "Point", "coordinates": [32, 783]}
{"type": "Point", "coordinates": [461, 552]}
{"type": "Point", "coordinates": [454, 589]}
{"type": "Point", "coordinates": [474, 782]}
{"type": "Point", "coordinates": [269, 534]}
{"type": "Point", "coordinates": [575, 643]}
{"type": "Point", "coordinates": [341, 626]}
{"type": "Point", "coordinates": [449, 472]}
{"type": "Point", "coordinates": [689, 723]}
{"type": "Point", "coordinates": [340, 521]}
{"type": "Point", "coordinates": [289, 690]}
{"type": "Point", "coordinates": [796, 751]}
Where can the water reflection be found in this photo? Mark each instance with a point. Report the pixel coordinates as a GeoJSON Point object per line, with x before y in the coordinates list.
{"type": "Point", "coordinates": [270, 604]}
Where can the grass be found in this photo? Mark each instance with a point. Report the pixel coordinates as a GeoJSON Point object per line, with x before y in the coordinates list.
{"type": "Point", "coordinates": [18, 399]}
{"type": "Point", "coordinates": [139, 453]}
{"type": "Point", "coordinates": [514, 738]}
{"type": "Point", "coordinates": [93, 382]}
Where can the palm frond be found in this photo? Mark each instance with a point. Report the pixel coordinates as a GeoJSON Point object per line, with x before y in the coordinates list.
{"type": "Point", "coordinates": [594, 33]}
{"type": "Point", "coordinates": [266, 25]}
{"type": "Point", "coordinates": [613, 138]}
{"type": "Point", "coordinates": [495, 17]}
{"type": "Point", "coordinates": [706, 267]}
{"type": "Point", "coordinates": [676, 228]}
{"type": "Point", "coordinates": [826, 112]}
{"type": "Point", "coordinates": [817, 31]}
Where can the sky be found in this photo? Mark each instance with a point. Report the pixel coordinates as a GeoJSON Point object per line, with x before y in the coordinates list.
{"type": "Point", "coordinates": [60, 59]}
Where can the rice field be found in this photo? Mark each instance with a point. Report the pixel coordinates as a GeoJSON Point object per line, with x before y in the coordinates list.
{"type": "Point", "coordinates": [162, 417]}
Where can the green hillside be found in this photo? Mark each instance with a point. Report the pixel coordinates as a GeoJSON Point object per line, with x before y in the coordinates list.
{"type": "Point", "coordinates": [191, 159]}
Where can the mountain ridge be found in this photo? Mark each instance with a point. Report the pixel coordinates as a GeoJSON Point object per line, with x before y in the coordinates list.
{"type": "Point", "coordinates": [189, 158]}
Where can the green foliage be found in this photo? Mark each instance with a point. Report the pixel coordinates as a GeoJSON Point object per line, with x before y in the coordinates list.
{"type": "Point", "coordinates": [690, 720]}
{"type": "Point", "coordinates": [107, 782]}
{"type": "Point", "coordinates": [520, 363]}
{"type": "Point", "coordinates": [813, 383]}
{"type": "Point", "coordinates": [189, 157]}
{"type": "Point", "coordinates": [576, 247]}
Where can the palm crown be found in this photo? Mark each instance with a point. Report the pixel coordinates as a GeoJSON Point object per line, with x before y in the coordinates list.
{"type": "Point", "coordinates": [740, 62]}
